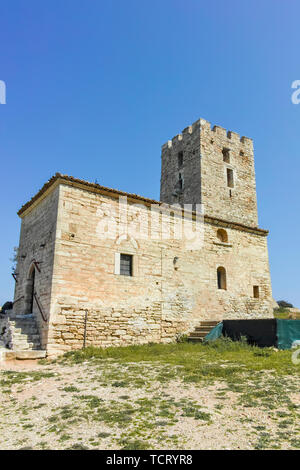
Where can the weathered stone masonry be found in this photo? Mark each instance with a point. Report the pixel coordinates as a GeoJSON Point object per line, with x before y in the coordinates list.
{"type": "Point", "coordinates": [172, 287]}
{"type": "Point", "coordinates": [203, 171]}
{"type": "Point", "coordinates": [37, 242]}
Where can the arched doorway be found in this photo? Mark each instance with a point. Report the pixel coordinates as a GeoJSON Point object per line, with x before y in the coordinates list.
{"type": "Point", "coordinates": [30, 288]}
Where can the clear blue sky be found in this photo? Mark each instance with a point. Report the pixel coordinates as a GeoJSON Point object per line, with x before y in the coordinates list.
{"type": "Point", "coordinates": [94, 89]}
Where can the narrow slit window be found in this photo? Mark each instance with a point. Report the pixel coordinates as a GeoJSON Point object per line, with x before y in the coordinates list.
{"type": "Point", "coordinates": [126, 265]}
{"type": "Point", "coordinates": [180, 159]}
{"type": "Point", "coordinates": [222, 280]}
{"type": "Point", "coordinates": [256, 292]}
{"type": "Point", "coordinates": [230, 179]}
{"type": "Point", "coordinates": [180, 182]}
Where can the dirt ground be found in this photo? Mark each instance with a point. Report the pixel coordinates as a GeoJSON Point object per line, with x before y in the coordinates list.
{"type": "Point", "coordinates": [109, 405]}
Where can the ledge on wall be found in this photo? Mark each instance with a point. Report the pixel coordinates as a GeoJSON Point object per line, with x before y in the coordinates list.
{"type": "Point", "coordinates": [228, 245]}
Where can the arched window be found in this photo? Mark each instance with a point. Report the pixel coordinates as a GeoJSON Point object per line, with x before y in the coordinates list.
{"type": "Point", "coordinates": [222, 281]}
{"type": "Point", "coordinates": [222, 235]}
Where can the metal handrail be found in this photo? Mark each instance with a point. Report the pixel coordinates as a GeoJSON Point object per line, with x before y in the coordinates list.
{"type": "Point", "coordinates": [40, 307]}
{"type": "Point", "coordinates": [14, 275]}
{"type": "Point", "coordinates": [20, 298]}
{"type": "Point", "coordinates": [36, 264]}
{"type": "Point", "coordinates": [85, 327]}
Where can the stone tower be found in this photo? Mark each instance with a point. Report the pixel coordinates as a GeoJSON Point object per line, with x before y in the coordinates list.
{"type": "Point", "coordinates": [212, 167]}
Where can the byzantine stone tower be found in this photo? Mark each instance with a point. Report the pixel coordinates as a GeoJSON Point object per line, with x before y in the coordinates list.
{"type": "Point", "coordinates": [212, 167]}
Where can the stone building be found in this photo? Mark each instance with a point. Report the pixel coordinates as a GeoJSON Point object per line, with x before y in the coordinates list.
{"type": "Point", "coordinates": [103, 267]}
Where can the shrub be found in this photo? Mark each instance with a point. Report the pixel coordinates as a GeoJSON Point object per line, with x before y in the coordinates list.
{"type": "Point", "coordinates": [7, 306]}
{"type": "Point", "coordinates": [284, 304]}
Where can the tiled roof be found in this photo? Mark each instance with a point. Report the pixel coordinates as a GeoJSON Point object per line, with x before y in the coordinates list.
{"type": "Point", "coordinates": [69, 180]}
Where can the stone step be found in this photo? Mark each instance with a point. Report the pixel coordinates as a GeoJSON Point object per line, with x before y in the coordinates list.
{"type": "Point", "coordinates": [25, 345]}
{"type": "Point", "coordinates": [25, 341]}
{"type": "Point", "coordinates": [22, 347]}
{"type": "Point", "coordinates": [26, 316]}
{"type": "Point", "coordinates": [34, 354]}
{"type": "Point", "coordinates": [202, 330]}
{"type": "Point", "coordinates": [200, 334]}
{"type": "Point", "coordinates": [23, 325]}
{"type": "Point", "coordinates": [25, 331]}
{"type": "Point", "coordinates": [195, 339]}
{"type": "Point", "coordinates": [23, 319]}
{"type": "Point", "coordinates": [7, 355]}
{"type": "Point", "coordinates": [27, 337]}
{"type": "Point", "coordinates": [23, 355]}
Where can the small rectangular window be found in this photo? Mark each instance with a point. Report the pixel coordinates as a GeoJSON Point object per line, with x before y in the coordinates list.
{"type": "Point", "coordinates": [256, 292]}
{"type": "Point", "coordinates": [126, 265]}
{"type": "Point", "coordinates": [230, 180]}
{"type": "Point", "coordinates": [226, 155]}
{"type": "Point", "coordinates": [180, 159]}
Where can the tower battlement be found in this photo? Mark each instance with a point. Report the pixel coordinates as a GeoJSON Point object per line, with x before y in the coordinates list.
{"type": "Point", "coordinates": [221, 131]}
{"type": "Point", "coordinates": [210, 165]}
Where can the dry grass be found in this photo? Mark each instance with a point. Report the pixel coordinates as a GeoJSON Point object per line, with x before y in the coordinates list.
{"type": "Point", "coordinates": [179, 396]}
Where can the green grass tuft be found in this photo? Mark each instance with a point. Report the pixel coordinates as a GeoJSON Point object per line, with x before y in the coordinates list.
{"type": "Point", "coordinates": [222, 358]}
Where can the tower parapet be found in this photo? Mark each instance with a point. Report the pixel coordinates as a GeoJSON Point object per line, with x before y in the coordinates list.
{"type": "Point", "coordinates": [214, 167]}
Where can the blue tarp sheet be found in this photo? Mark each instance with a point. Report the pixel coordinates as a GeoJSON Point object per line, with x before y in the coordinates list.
{"type": "Point", "coordinates": [288, 331]}
{"type": "Point", "coordinates": [215, 333]}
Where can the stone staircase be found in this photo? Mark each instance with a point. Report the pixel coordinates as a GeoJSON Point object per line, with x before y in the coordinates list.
{"type": "Point", "coordinates": [21, 338]}
{"type": "Point", "coordinates": [25, 334]}
{"type": "Point", "coordinates": [202, 330]}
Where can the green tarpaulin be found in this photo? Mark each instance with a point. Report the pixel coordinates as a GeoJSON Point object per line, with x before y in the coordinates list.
{"type": "Point", "coordinates": [288, 331]}
{"type": "Point", "coordinates": [215, 333]}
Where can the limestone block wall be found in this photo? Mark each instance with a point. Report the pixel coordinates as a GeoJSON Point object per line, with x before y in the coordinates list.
{"type": "Point", "coordinates": [188, 144]}
{"type": "Point", "coordinates": [172, 287]}
{"type": "Point", "coordinates": [37, 242]}
{"type": "Point", "coordinates": [237, 203]}
{"type": "Point", "coordinates": [245, 258]}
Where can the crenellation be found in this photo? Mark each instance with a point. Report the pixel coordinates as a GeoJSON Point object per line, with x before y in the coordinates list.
{"type": "Point", "coordinates": [167, 145]}
{"type": "Point", "coordinates": [220, 131]}
{"type": "Point", "coordinates": [206, 126]}
{"type": "Point", "coordinates": [246, 140]}
{"type": "Point", "coordinates": [233, 136]}
{"type": "Point", "coordinates": [217, 171]}
{"type": "Point", "coordinates": [188, 130]}
{"type": "Point", "coordinates": [177, 138]}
